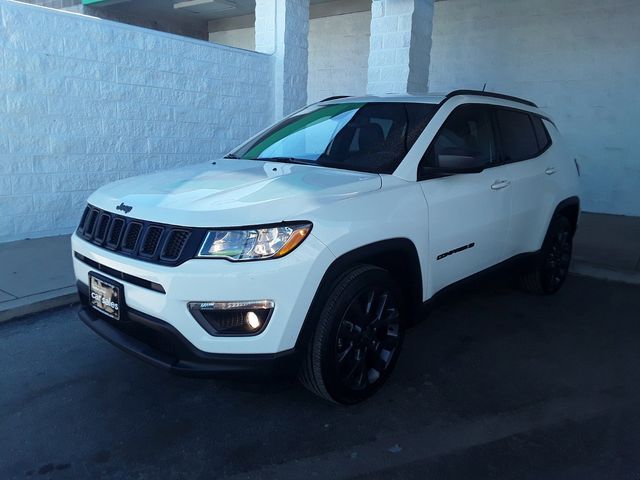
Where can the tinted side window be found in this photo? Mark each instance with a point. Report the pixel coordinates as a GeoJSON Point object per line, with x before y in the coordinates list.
{"type": "Point", "coordinates": [541, 133]}
{"type": "Point", "coordinates": [467, 132]}
{"type": "Point", "coordinates": [518, 138]}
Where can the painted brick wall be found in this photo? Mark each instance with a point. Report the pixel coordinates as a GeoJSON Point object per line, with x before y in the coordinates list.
{"type": "Point", "coordinates": [399, 47]}
{"type": "Point", "coordinates": [54, 3]}
{"type": "Point", "coordinates": [282, 29]}
{"type": "Point", "coordinates": [84, 102]}
{"type": "Point", "coordinates": [338, 54]}
{"type": "Point", "coordinates": [578, 59]}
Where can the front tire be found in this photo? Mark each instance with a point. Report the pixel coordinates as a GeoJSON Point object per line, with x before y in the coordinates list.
{"type": "Point", "coordinates": [551, 269]}
{"type": "Point", "coordinates": [358, 337]}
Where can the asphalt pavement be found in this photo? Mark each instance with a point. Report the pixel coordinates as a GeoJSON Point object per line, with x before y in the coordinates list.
{"type": "Point", "coordinates": [494, 383]}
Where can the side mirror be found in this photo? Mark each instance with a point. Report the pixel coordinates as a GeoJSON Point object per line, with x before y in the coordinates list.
{"type": "Point", "coordinates": [459, 160]}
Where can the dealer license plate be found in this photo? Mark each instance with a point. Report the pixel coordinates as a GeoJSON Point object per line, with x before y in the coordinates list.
{"type": "Point", "coordinates": [105, 295]}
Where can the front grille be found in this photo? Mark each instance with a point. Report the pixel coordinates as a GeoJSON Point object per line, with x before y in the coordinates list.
{"type": "Point", "coordinates": [103, 223]}
{"type": "Point", "coordinates": [117, 226]}
{"type": "Point", "coordinates": [131, 236]}
{"type": "Point", "coordinates": [151, 242]}
{"type": "Point", "coordinates": [175, 244]}
{"type": "Point", "coordinates": [90, 222]}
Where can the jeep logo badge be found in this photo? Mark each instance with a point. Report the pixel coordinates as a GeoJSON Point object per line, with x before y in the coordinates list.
{"type": "Point", "coordinates": [124, 208]}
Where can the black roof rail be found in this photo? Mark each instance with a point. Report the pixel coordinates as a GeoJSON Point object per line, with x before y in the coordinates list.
{"type": "Point", "coordinates": [335, 97]}
{"type": "Point", "coordinates": [480, 93]}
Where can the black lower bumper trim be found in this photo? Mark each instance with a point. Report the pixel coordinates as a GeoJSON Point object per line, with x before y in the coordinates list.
{"type": "Point", "coordinates": [160, 344]}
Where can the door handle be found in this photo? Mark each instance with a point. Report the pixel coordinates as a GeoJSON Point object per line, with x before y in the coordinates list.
{"type": "Point", "coordinates": [550, 171]}
{"type": "Point", "coordinates": [500, 184]}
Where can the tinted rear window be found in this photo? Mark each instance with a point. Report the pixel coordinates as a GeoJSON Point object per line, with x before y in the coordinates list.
{"type": "Point", "coordinates": [541, 133]}
{"type": "Point", "coordinates": [518, 138]}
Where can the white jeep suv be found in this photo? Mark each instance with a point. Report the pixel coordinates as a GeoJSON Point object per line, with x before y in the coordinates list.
{"type": "Point", "coordinates": [312, 246]}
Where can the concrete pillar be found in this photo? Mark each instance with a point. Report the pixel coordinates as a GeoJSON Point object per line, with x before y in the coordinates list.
{"type": "Point", "coordinates": [282, 29]}
{"type": "Point", "coordinates": [400, 46]}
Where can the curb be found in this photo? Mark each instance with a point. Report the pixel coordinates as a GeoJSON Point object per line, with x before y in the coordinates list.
{"type": "Point", "coordinates": [37, 303]}
{"type": "Point", "coordinates": [585, 269]}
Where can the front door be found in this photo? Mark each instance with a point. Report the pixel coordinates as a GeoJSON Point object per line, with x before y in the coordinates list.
{"type": "Point", "coordinates": [468, 212]}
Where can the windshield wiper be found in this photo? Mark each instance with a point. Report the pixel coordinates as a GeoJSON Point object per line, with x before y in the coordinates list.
{"type": "Point", "coordinates": [232, 156]}
{"type": "Point", "coordinates": [298, 161]}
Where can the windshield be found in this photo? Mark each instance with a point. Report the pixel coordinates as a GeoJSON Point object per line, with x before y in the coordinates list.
{"type": "Point", "coordinates": [368, 137]}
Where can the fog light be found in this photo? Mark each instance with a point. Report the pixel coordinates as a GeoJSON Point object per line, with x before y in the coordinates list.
{"type": "Point", "coordinates": [252, 320]}
{"type": "Point", "coordinates": [232, 318]}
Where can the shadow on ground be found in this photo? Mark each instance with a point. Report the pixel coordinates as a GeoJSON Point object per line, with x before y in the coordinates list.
{"type": "Point", "coordinates": [493, 384]}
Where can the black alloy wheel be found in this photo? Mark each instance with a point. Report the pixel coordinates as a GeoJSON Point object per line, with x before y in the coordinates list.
{"type": "Point", "coordinates": [549, 273]}
{"type": "Point", "coordinates": [558, 258]}
{"type": "Point", "coordinates": [357, 338]}
{"type": "Point", "coordinates": [368, 338]}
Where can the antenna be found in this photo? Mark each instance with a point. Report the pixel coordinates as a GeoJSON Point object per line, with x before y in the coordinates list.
{"type": "Point", "coordinates": [485, 86]}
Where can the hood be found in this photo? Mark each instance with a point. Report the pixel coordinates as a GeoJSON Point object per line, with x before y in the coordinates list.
{"type": "Point", "coordinates": [228, 193]}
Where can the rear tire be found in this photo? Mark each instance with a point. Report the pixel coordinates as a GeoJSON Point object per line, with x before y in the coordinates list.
{"type": "Point", "coordinates": [357, 339]}
{"type": "Point", "coordinates": [552, 267]}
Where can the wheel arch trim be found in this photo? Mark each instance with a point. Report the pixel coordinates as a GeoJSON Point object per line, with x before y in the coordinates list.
{"type": "Point", "coordinates": [367, 254]}
{"type": "Point", "coordinates": [570, 205]}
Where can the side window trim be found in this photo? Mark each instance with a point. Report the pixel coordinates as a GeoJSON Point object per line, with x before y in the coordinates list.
{"type": "Point", "coordinates": [546, 132]}
{"type": "Point", "coordinates": [531, 115]}
{"type": "Point", "coordinates": [490, 110]}
{"type": "Point", "coordinates": [497, 135]}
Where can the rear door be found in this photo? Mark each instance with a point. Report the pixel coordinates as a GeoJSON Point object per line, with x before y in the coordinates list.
{"type": "Point", "coordinates": [468, 213]}
{"type": "Point", "coordinates": [525, 149]}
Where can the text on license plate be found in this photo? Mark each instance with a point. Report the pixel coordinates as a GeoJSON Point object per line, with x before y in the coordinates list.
{"type": "Point", "coordinates": [105, 297]}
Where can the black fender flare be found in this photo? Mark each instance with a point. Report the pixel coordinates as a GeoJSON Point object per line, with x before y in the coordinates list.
{"type": "Point", "coordinates": [406, 264]}
{"type": "Point", "coordinates": [569, 207]}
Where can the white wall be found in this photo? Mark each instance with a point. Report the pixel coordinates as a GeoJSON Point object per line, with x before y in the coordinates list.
{"type": "Point", "coordinates": [338, 55]}
{"type": "Point", "coordinates": [578, 59]}
{"type": "Point", "coordinates": [338, 51]}
{"type": "Point", "coordinates": [282, 29]}
{"type": "Point", "coordinates": [85, 101]}
{"type": "Point", "coordinates": [239, 38]}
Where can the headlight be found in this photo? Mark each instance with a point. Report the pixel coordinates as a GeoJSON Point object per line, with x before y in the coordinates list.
{"type": "Point", "coordinates": [254, 243]}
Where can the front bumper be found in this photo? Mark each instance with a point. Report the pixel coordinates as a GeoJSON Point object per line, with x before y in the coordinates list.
{"type": "Point", "coordinates": [163, 293]}
{"type": "Point", "coordinates": [159, 344]}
